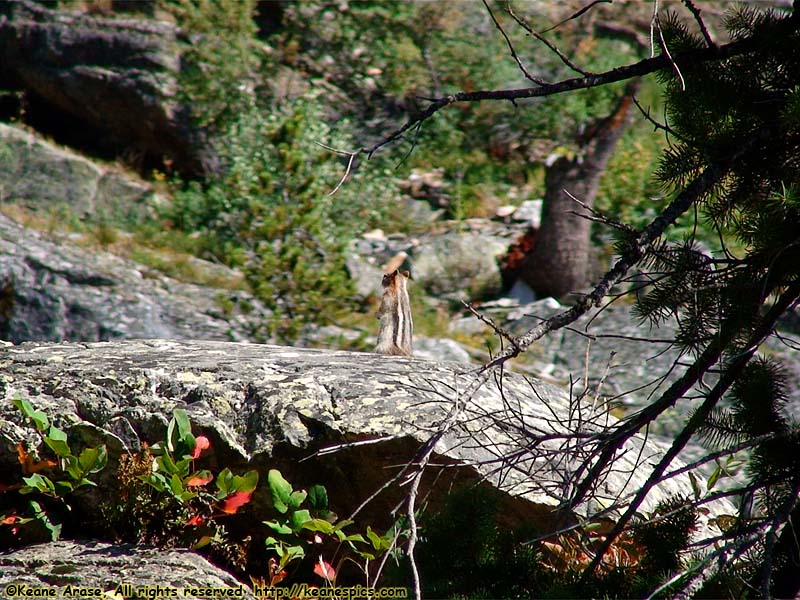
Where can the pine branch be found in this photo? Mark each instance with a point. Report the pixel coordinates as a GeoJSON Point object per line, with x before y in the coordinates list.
{"type": "Point", "coordinates": [728, 377]}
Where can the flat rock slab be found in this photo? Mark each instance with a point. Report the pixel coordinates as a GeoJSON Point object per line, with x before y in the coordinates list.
{"type": "Point", "coordinates": [75, 569]}
{"type": "Point", "coordinates": [279, 407]}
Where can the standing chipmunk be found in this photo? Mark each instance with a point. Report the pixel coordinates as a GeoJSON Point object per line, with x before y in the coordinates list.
{"type": "Point", "coordinates": [396, 329]}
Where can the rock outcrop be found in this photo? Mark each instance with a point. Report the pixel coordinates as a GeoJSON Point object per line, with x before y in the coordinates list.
{"type": "Point", "coordinates": [54, 291]}
{"type": "Point", "coordinates": [41, 176]}
{"type": "Point", "coordinates": [103, 82]}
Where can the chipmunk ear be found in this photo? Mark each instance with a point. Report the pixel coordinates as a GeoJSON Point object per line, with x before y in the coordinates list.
{"type": "Point", "coordinates": [406, 274]}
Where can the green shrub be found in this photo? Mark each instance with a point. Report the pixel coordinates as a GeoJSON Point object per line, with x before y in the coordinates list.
{"type": "Point", "coordinates": [271, 213]}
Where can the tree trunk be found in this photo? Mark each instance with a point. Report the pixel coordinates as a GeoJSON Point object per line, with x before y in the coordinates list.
{"type": "Point", "coordinates": [558, 263]}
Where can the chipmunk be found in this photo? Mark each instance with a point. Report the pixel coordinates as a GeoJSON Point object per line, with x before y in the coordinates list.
{"type": "Point", "coordinates": [394, 313]}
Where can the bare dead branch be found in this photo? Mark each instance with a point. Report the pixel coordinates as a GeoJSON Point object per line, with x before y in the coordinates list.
{"type": "Point", "coordinates": [351, 157]}
{"type": "Point", "coordinates": [553, 48]}
{"type": "Point", "coordinates": [631, 71]}
{"type": "Point", "coordinates": [514, 54]}
{"type": "Point", "coordinates": [663, 43]}
{"type": "Point", "coordinates": [636, 250]}
{"type": "Point", "coordinates": [490, 322]}
{"type": "Point", "coordinates": [577, 14]}
{"type": "Point", "coordinates": [597, 216]}
{"type": "Point", "coordinates": [646, 114]}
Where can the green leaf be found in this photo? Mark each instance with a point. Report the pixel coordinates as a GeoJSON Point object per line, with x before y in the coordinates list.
{"type": "Point", "coordinates": [376, 540]}
{"type": "Point", "coordinates": [183, 467]}
{"type": "Point", "coordinates": [356, 537]}
{"type": "Point", "coordinates": [165, 464]}
{"type": "Point", "coordinates": [299, 518]}
{"type": "Point", "coordinates": [224, 481]}
{"type": "Point", "coordinates": [40, 420]}
{"type": "Point", "coordinates": [318, 497]}
{"type": "Point", "coordinates": [320, 525]}
{"type": "Point", "coordinates": [186, 446]}
{"type": "Point", "coordinates": [277, 527]}
{"type": "Point", "coordinates": [63, 487]}
{"type": "Point", "coordinates": [184, 427]}
{"type": "Point", "coordinates": [695, 486]}
{"type": "Point", "coordinates": [712, 480]}
{"type": "Point", "coordinates": [297, 498]}
{"type": "Point", "coordinates": [39, 483]}
{"type": "Point", "coordinates": [271, 542]}
{"type": "Point", "coordinates": [247, 482]}
{"type": "Point", "coordinates": [296, 552]}
{"type": "Point", "coordinates": [280, 490]}
{"type": "Point", "coordinates": [88, 458]}
{"type": "Point", "coordinates": [171, 434]}
{"type": "Point", "coordinates": [176, 485]}
{"type": "Point", "coordinates": [73, 468]}
{"type": "Point", "coordinates": [202, 542]}
{"type": "Point", "coordinates": [157, 481]}
{"type": "Point", "coordinates": [343, 523]}
{"type": "Point", "coordinates": [56, 439]}
{"type": "Point", "coordinates": [57, 434]}
{"type": "Point", "coordinates": [41, 515]}
{"type": "Point", "coordinates": [101, 461]}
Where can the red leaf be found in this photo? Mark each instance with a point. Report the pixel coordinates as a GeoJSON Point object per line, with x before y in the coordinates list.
{"type": "Point", "coordinates": [235, 501]}
{"type": "Point", "coordinates": [9, 520]}
{"type": "Point", "coordinates": [324, 570]}
{"type": "Point", "coordinates": [198, 480]}
{"type": "Point", "coordinates": [276, 575]}
{"type": "Point", "coordinates": [29, 465]}
{"type": "Point", "coordinates": [195, 520]}
{"type": "Point", "coordinates": [201, 443]}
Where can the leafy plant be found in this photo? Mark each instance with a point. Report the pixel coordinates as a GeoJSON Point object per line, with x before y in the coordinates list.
{"type": "Point", "coordinates": [50, 481]}
{"type": "Point", "coordinates": [270, 214]}
{"type": "Point", "coordinates": [306, 522]}
{"type": "Point", "coordinates": [173, 473]}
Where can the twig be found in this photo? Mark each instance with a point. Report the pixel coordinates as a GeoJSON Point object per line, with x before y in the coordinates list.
{"type": "Point", "coordinates": [596, 215]}
{"type": "Point", "coordinates": [637, 248]}
{"type": "Point", "coordinates": [577, 14]}
{"type": "Point", "coordinates": [348, 445]}
{"type": "Point", "coordinates": [511, 47]}
{"type": "Point", "coordinates": [638, 69]}
{"type": "Point", "coordinates": [352, 156]}
{"type": "Point", "coordinates": [553, 48]}
{"type": "Point", "coordinates": [422, 458]}
{"type": "Point", "coordinates": [696, 14]}
{"type": "Point", "coordinates": [653, 21]}
{"type": "Point", "coordinates": [656, 124]}
{"type": "Point", "coordinates": [663, 44]}
{"type": "Point", "coordinates": [698, 418]}
{"type": "Point", "coordinates": [490, 322]}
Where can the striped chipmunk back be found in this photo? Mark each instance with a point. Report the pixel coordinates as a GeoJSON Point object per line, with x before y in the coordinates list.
{"type": "Point", "coordinates": [396, 329]}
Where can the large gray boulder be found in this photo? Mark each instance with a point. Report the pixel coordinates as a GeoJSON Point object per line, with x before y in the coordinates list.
{"type": "Point", "coordinates": [277, 407]}
{"type": "Point", "coordinates": [52, 291]}
{"type": "Point", "coordinates": [112, 81]}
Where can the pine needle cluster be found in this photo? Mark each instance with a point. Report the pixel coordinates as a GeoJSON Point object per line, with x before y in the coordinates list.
{"type": "Point", "coordinates": [739, 117]}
